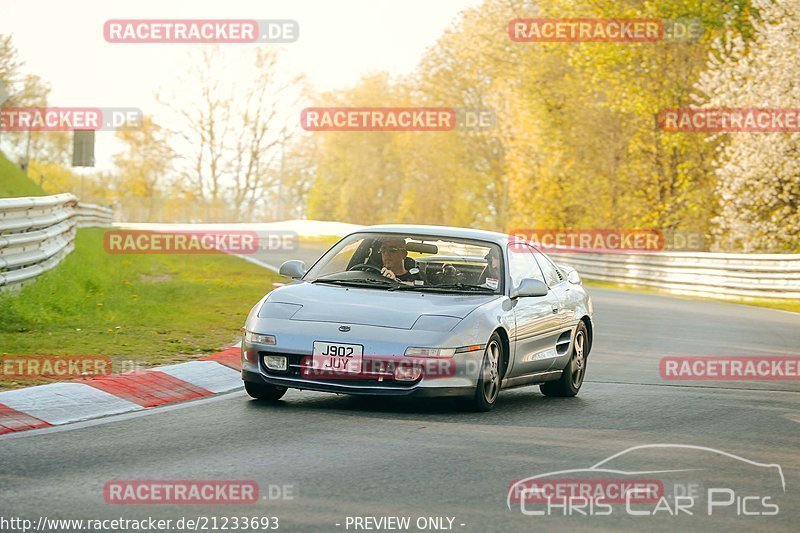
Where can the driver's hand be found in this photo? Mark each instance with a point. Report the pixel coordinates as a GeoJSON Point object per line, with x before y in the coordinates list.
{"type": "Point", "coordinates": [388, 273]}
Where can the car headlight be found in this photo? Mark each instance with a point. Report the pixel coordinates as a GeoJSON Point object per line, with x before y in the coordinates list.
{"type": "Point", "coordinates": [259, 338]}
{"type": "Point", "coordinates": [430, 352]}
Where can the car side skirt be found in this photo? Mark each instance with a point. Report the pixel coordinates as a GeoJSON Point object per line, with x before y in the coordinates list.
{"type": "Point", "coordinates": [531, 379]}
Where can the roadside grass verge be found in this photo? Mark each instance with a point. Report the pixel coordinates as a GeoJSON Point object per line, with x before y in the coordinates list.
{"type": "Point", "coordinates": [783, 305]}
{"type": "Point", "coordinates": [14, 182]}
{"type": "Point", "coordinates": [140, 310]}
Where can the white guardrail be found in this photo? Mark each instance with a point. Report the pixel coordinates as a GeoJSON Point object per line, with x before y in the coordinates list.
{"type": "Point", "coordinates": [36, 233]}
{"type": "Point", "coordinates": [717, 275]}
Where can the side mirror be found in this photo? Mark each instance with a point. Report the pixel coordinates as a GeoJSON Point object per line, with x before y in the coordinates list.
{"type": "Point", "coordinates": [294, 269]}
{"type": "Point", "coordinates": [530, 287]}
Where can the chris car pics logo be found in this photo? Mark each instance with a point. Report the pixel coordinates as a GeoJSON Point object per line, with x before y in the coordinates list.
{"type": "Point", "coordinates": [673, 480]}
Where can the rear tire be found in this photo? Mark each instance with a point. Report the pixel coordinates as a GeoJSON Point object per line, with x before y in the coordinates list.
{"type": "Point", "coordinates": [572, 377]}
{"type": "Point", "coordinates": [269, 393]}
{"type": "Point", "coordinates": [488, 386]}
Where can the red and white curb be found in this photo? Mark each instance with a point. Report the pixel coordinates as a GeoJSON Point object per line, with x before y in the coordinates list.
{"type": "Point", "coordinates": [61, 403]}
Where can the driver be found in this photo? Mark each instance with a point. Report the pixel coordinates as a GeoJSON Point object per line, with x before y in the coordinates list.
{"type": "Point", "coordinates": [393, 253]}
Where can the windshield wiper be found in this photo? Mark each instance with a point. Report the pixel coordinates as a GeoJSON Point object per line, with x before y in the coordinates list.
{"type": "Point", "coordinates": [406, 287]}
{"type": "Point", "coordinates": [464, 287]}
{"type": "Point", "coordinates": [446, 287]}
{"type": "Point", "coordinates": [356, 282]}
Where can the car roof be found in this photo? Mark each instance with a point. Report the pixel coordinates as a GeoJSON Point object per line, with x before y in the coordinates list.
{"type": "Point", "coordinates": [439, 231]}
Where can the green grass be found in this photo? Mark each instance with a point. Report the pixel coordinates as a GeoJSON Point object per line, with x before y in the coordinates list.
{"type": "Point", "coordinates": [151, 309]}
{"type": "Point", "coordinates": [14, 182]}
{"type": "Point", "coordinates": [783, 305]}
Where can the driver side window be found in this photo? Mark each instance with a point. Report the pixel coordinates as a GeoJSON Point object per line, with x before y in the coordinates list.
{"type": "Point", "coordinates": [522, 264]}
{"type": "Point", "coordinates": [342, 259]}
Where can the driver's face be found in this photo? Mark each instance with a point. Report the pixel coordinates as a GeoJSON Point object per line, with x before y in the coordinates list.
{"type": "Point", "coordinates": [393, 253]}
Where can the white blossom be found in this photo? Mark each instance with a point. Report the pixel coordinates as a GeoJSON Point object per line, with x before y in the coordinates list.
{"type": "Point", "coordinates": [758, 173]}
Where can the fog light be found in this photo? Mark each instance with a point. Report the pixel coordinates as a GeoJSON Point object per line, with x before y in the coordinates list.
{"type": "Point", "coordinates": [407, 373]}
{"type": "Point", "coordinates": [275, 362]}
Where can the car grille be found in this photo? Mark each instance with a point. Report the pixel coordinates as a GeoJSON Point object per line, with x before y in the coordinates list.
{"type": "Point", "coordinates": [294, 371]}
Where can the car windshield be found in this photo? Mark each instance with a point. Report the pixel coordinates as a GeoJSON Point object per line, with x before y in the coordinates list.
{"type": "Point", "coordinates": [397, 261]}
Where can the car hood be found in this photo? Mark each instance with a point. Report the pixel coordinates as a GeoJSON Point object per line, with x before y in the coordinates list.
{"type": "Point", "coordinates": [372, 307]}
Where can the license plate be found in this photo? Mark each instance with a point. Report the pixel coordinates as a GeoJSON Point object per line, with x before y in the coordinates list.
{"type": "Point", "coordinates": [335, 357]}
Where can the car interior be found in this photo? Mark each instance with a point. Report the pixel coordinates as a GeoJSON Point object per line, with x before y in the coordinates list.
{"type": "Point", "coordinates": [434, 269]}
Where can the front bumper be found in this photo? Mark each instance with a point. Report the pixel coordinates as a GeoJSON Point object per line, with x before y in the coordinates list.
{"type": "Point", "coordinates": [365, 389]}
{"type": "Point", "coordinates": [295, 341]}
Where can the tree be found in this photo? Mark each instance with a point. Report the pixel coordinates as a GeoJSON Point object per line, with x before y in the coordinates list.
{"type": "Point", "coordinates": [758, 173]}
{"type": "Point", "coordinates": [28, 90]}
{"type": "Point", "coordinates": [90, 187]}
{"type": "Point", "coordinates": [576, 142]}
{"type": "Point", "coordinates": [231, 130]}
{"type": "Point", "coordinates": [359, 175]}
{"type": "Point", "coordinates": [143, 168]}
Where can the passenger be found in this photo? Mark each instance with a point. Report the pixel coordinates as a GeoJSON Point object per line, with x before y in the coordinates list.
{"type": "Point", "coordinates": [393, 254]}
{"type": "Point", "coordinates": [490, 277]}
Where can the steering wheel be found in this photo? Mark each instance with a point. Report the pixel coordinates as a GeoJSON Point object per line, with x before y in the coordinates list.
{"type": "Point", "coordinates": [365, 266]}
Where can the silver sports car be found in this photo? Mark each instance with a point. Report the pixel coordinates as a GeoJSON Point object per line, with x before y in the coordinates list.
{"type": "Point", "coordinates": [425, 311]}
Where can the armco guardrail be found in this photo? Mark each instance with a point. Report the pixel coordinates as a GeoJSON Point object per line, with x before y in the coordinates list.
{"type": "Point", "coordinates": [694, 273]}
{"type": "Point", "coordinates": [36, 233]}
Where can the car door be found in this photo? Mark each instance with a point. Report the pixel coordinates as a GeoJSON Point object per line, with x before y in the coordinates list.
{"type": "Point", "coordinates": [536, 319]}
{"type": "Point", "coordinates": [560, 288]}
{"type": "Point", "coordinates": [557, 283]}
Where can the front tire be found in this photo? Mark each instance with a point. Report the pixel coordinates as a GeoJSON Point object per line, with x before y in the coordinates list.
{"type": "Point", "coordinates": [572, 375]}
{"type": "Point", "coordinates": [488, 386]}
{"type": "Point", "coordinates": [268, 393]}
